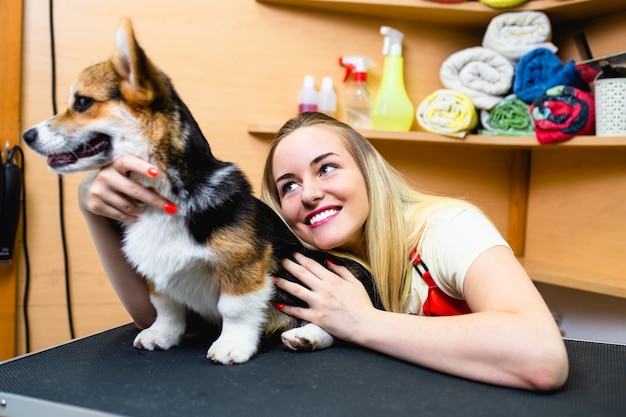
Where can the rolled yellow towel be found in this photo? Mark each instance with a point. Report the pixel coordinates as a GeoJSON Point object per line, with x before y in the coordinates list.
{"type": "Point", "coordinates": [502, 4]}
{"type": "Point", "coordinates": [447, 112]}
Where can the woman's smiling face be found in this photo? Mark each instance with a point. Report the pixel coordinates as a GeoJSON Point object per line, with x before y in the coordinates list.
{"type": "Point", "coordinates": [322, 191]}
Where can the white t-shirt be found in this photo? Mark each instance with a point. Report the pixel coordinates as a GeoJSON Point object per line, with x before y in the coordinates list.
{"type": "Point", "coordinates": [453, 238]}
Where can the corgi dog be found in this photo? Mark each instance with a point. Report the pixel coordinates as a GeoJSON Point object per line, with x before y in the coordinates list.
{"type": "Point", "coordinates": [217, 254]}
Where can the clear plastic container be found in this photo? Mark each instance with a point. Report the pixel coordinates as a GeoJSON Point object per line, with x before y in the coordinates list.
{"type": "Point", "coordinates": [358, 105]}
{"type": "Point", "coordinates": [610, 106]}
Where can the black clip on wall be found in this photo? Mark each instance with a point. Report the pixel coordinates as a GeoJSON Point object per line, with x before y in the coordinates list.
{"type": "Point", "coordinates": [11, 188]}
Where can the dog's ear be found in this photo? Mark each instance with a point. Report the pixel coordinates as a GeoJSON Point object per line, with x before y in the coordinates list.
{"type": "Point", "coordinates": [142, 82]}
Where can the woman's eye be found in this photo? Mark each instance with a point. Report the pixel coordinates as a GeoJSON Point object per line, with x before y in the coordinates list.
{"type": "Point", "coordinates": [326, 168]}
{"type": "Point", "coordinates": [288, 186]}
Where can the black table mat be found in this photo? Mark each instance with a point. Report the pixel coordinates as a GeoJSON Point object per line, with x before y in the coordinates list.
{"type": "Point", "coordinates": [104, 372]}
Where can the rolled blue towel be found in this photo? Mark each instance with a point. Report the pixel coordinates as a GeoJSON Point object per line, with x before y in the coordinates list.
{"type": "Point", "coordinates": [540, 70]}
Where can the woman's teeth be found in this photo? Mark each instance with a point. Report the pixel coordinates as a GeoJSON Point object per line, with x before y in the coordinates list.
{"type": "Point", "coordinates": [321, 216]}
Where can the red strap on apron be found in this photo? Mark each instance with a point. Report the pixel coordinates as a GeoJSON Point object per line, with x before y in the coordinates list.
{"type": "Point", "coordinates": [437, 303]}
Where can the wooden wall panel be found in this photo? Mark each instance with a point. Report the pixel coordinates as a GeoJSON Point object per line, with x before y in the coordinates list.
{"type": "Point", "coordinates": [577, 214]}
{"type": "Point", "coordinates": [483, 178]}
{"type": "Point", "coordinates": [604, 37]}
{"type": "Point", "coordinates": [10, 86]}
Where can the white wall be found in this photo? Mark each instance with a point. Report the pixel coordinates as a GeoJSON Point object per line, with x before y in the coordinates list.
{"type": "Point", "coordinates": [587, 316]}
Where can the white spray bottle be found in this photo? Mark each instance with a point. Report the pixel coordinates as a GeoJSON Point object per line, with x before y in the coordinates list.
{"type": "Point", "coordinates": [358, 96]}
{"type": "Point", "coordinates": [392, 109]}
{"type": "Point", "coordinates": [327, 99]}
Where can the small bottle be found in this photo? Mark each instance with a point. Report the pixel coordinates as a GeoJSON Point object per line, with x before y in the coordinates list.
{"type": "Point", "coordinates": [358, 96]}
{"type": "Point", "coordinates": [307, 99]}
{"type": "Point", "coordinates": [327, 98]}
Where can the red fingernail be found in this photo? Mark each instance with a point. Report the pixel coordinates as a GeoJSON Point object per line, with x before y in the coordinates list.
{"type": "Point", "coordinates": [153, 172]}
{"type": "Point", "coordinates": [170, 208]}
{"type": "Point", "coordinates": [280, 306]}
{"type": "Point", "coordinates": [329, 263]}
{"type": "Point", "coordinates": [274, 279]}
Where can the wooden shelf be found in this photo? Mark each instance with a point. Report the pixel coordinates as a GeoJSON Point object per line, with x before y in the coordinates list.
{"type": "Point", "coordinates": [268, 130]}
{"type": "Point", "coordinates": [588, 172]}
{"type": "Point", "coordinates": [541, 271]}
{"type": "Point", "coordinates": [470, 13]}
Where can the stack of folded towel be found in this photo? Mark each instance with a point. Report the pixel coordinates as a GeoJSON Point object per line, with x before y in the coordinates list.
{"type": "Point", "coordinates": [563, 112]}
{"type": "Point", "coordinates": [448, 113]}
{"type": "Point", "coordinates": [507, 80]}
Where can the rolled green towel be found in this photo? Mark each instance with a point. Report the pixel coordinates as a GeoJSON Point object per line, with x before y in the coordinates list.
{"type": "Point", "coordinates": [510, 117]}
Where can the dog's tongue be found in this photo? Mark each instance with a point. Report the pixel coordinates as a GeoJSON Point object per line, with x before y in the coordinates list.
{"type": "Point", "coordinates": [95, 146]}
{"type": "Point", "coordinates": [61, 159]}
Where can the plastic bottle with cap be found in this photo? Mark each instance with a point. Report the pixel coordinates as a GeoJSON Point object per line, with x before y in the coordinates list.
{"type": "Point", "coordinates": [308, 96]}
{"type": "Point", "coordinates": [358, 96]}
{"type": "Point", "coordinates": [327, 98]}
{"type": "Point", "coordinates": [392, 109]}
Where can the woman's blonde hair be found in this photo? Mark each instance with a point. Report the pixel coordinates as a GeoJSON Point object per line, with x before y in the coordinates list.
{"type": "Point", "coordinates": [397, 216]}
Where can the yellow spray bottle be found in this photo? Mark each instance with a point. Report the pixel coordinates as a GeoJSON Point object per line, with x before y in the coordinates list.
{"type": "Point", "coordinates": [392, 108]}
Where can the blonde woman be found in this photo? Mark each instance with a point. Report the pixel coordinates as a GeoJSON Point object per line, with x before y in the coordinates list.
{"type": "Point", "coordinates": [430, 256]}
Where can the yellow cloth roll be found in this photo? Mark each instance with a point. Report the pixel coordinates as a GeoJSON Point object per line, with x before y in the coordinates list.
{"type": "Point", "coordinates": [501, 4]}
{"type": "Point", "coordinates": [447, 112]}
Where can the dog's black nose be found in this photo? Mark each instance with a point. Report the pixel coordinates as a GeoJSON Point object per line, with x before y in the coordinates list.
{"type": "Point", "coordinates": [30, 135]}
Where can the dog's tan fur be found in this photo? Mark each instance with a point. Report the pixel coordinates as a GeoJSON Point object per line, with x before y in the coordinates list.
{"type": "Point", "coordinates": [235, 272]}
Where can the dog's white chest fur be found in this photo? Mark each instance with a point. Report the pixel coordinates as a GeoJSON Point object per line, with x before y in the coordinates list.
{"type": "Point", "coordinates": [161, 248]}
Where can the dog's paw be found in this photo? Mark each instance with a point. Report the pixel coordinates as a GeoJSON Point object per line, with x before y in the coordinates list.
{"type": "Point", "coordinates": [307, 337]}
{"type": "Point", "coordinates": [231, 350]}
{"type": "Point", "coordinates": [151, 339]}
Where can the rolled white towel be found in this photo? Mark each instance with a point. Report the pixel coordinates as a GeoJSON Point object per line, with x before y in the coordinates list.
{"type": "Point", "coordinates": [484, 75]}
{"type": "Point", "coordinates": [515, 34]}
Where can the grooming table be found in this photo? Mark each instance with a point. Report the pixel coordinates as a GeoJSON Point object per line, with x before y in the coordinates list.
{"type": "Point", "coordinates": [103, 375]}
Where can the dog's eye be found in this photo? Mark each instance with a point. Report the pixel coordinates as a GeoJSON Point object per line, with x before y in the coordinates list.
{"type": "Point", "coordinates": [82, 103]}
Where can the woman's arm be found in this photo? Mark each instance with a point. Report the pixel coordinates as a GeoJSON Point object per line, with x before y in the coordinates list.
{"type": "Point", "coordinates": [510, 339]}
{"type": "Point", "coordinates": [105, 197]}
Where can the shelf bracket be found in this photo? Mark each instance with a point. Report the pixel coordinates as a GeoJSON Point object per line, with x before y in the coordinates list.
{"type": "Point", "coordinates": [518, 200]}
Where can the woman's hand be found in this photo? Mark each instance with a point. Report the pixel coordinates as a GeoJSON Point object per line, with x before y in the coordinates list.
{"type": "Point", "coordinates": [109, 192]}
{"type": "Point", "coordinates": [337, 300]}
